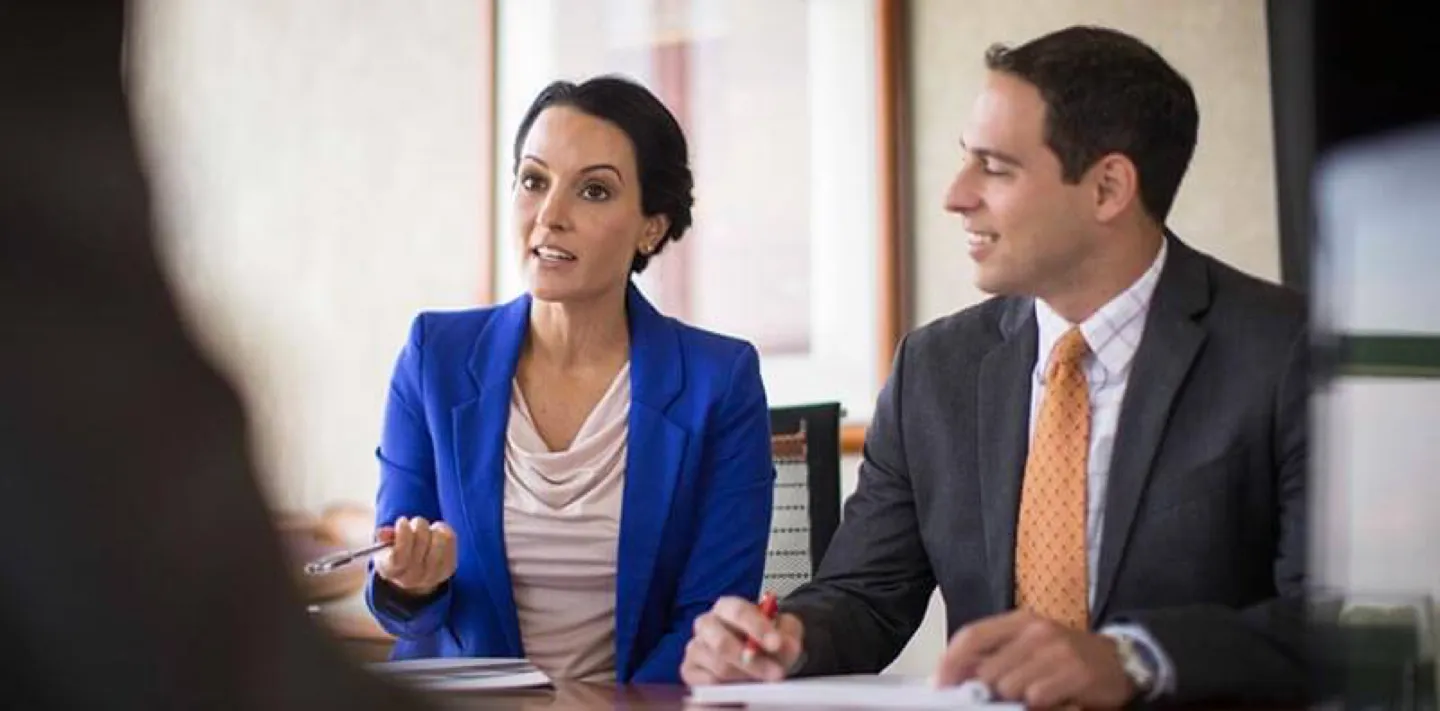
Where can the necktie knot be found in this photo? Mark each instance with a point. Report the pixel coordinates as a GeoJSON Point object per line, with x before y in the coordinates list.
{"type": "Point", "coordinates": [1069, 352]}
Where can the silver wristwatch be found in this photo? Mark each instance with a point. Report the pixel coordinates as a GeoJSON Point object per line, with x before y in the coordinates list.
{"type": "Point", "coordinates": [1139, 664]}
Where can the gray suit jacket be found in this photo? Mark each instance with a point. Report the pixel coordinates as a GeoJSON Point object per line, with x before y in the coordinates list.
{"type": "Point", "coordinates": [1204, 533]}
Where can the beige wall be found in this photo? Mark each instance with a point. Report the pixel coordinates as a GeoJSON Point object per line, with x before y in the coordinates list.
{"type": "Point", "coordinates": [1226, 205]}
{"type": "Point", "coordinates": [317, 168]}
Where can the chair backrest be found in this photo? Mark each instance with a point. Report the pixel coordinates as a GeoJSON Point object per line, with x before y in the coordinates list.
{"type": "Point", "coordinates": [805, 441]}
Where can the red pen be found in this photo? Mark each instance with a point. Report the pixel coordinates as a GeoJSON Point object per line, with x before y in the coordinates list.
{"type": "Point", "coordinates": [769, 607]}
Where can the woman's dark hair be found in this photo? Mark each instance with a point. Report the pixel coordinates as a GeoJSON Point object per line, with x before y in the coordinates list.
{"type": "Point", "coordinates": [661, 154]}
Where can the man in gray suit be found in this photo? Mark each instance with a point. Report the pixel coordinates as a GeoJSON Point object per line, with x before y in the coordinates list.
{"type": "Point", "coordinates": [1159, 554]}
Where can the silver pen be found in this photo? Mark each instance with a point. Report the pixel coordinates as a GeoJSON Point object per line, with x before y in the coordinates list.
{"type": "Point", "coordinates": [335, 560]}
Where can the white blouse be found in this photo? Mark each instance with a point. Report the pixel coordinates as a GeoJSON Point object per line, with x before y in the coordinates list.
{"type": "Point", "coordinates": [562, 530]}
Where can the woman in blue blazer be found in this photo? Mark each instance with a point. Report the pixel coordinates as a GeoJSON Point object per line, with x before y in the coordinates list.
{"type": "Point", "coordinates": [573, 477]}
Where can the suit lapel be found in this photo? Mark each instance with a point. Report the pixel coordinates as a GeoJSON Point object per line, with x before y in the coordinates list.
{"type": "Point", "coordinates": [1172, 340]}
{"type": "Point", "coordinates": [1003, 421]}
{"type": "Point", "coordinates": [479, 434]}
{"type": "Point", "coordinates": [655, 455]}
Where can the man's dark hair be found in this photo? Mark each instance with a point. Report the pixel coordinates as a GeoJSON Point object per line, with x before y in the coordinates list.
{"type": "Point", "coordinates": [1107, 92]}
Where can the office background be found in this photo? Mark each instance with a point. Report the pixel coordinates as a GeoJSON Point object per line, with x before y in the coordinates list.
{"type": "Point", "coordinates": [325, 169]}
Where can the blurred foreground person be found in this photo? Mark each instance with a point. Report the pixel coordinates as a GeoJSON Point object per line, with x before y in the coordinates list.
{"type": "Point", "coordinates": [141, 570]}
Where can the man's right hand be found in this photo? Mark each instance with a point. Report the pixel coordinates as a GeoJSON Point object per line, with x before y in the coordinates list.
{"type": "Point", "coordinates": [422, 558]}
{"type": "Point", "coordinates": [714, 653]}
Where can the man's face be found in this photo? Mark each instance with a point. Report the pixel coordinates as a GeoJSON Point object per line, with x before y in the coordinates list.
{"type": "Point", "coordinates": [1029, 230]}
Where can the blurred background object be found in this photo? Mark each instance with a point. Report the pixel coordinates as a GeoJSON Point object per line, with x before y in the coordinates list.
{"type": "Point", "coordinates": [1376, 535]}
{"type": "Point", "coordinates": [1358, 163]}
{"type": "Point", "coordinates": [307, 537]}
{"type": "Point", "coordinates": [335, 599]}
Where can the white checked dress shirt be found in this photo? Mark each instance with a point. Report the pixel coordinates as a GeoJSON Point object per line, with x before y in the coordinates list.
{"type": "Point", "coordinates": [1113, 334]}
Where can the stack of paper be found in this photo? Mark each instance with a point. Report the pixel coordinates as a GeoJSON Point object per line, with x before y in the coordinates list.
{"type": "Point", "coordinates": [463, 673]}
{"type": "Point", "coordinates": [852, 691]}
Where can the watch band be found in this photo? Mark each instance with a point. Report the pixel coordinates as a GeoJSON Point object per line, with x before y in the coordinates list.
{"type": "Point", "coordinates": [1139, 664]}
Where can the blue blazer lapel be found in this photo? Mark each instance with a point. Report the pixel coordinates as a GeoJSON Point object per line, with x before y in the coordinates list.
{"type": "Point", "coordinates": [479, 435]}
{"type": "Point", "coordinates": [656, 452]}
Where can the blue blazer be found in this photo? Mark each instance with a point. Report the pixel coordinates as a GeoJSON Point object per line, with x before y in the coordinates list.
{"type": "Point", "coordinates": [699, 480]}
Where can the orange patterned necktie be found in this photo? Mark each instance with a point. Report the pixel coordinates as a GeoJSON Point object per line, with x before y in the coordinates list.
{"type": "Point", "coordinates": [1050, 562]}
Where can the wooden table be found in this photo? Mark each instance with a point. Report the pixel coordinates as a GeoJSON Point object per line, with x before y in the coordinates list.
{"type": "Point", "coordinates": [567, 696]}
{"type": "Point", "coordinates": [571, 696]}
{"type": "Point", "coordinates": [350, 621]}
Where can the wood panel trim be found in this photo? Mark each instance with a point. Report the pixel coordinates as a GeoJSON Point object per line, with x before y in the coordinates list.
{"type": "Point", "coordinates": [489, 124]}
{"type": "Point", "coordinates": [852, 439]}
{"type": "Point", "coordinates": [892, 113]}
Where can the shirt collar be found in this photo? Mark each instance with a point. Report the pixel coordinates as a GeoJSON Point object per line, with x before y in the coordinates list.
{"type": "Point", "coordinates": [1112, 332]}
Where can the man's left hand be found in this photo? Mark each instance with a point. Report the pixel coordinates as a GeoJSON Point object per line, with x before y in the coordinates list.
{"type": "Point", "coordinates": [1027, 658]}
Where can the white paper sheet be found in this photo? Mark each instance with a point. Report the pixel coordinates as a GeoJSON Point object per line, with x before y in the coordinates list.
{"type": "Point", "coordinates": [885, 691]}
{"type": "Point", "coordinates": [463, 673]}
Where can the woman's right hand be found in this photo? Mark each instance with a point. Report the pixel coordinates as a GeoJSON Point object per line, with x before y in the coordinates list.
{"type": "Point", "coordinates": [422, 558]}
